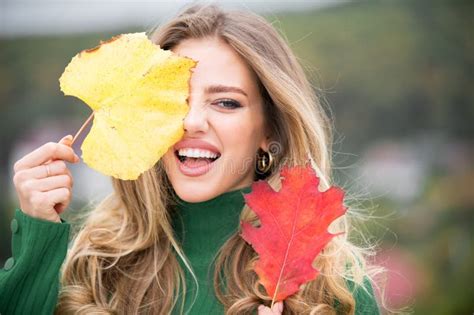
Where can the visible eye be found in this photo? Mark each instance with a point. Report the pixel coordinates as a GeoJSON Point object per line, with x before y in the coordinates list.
{"type": "Point", "coordinates": [228, 103]}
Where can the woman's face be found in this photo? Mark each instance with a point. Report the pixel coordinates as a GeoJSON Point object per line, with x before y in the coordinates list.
{"type": "Point", "coordinates": [225, 119]}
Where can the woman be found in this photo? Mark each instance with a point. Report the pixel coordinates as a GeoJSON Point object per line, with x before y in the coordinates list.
{"type": "Point", "coordinates": [168, 242]}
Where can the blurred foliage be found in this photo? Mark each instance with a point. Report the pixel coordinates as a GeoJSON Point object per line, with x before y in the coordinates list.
{"type": "Point", "coordinates": [389, 69]}
{"type": "Point", "coordinates": [436, 239]}
{"type": "Point", "coordinates": [397, 66]}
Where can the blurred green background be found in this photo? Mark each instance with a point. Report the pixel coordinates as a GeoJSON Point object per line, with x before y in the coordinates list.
{"type": "Point", "coordinates": [398, 78]}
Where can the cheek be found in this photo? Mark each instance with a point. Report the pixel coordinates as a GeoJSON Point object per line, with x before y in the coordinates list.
{"type": "Point", "coordinates": [168, 162]}
{"type": "Point", "coordinates": [239, 137]}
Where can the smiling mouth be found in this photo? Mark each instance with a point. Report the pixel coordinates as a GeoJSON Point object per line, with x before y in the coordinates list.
{"type": "Point", "coordinates": [183, 158]}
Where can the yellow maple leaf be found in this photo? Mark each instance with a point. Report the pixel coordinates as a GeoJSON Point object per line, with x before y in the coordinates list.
{"type": "Point", "coordinates": [138, 94]}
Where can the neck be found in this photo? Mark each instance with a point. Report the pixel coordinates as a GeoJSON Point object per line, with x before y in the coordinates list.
{"type": "Point", "coordinates": [203, 227]}
{"type": "Point", "coordinates": [235, 195]}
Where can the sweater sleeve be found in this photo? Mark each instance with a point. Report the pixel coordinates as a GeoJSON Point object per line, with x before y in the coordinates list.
{"type": "Point", "coordinates": [29, 281]}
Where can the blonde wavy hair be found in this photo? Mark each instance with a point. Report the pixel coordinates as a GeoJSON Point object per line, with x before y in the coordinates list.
{"type": "Point", "coordinates": [124, 260]}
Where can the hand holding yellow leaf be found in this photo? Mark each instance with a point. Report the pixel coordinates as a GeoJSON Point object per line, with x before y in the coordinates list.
{"type": "Point", "coordinates": [138, 94]}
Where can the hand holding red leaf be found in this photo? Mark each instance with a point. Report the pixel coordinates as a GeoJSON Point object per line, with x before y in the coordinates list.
{"type": "Point", "coordinates": [293, 231]}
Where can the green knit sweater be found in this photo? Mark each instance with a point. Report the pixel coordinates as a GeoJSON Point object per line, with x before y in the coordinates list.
{"type": "Point", "coordinates": [29, 281]}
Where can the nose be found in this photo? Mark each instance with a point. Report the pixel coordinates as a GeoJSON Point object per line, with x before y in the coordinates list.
{"type": "Point", "coordinates": [196, 119]}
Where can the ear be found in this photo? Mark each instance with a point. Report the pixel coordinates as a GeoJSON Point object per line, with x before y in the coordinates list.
{"type": "Point", "coordinates": [267, 137]}
{"type": "Point", "coordinates": [265, 143]}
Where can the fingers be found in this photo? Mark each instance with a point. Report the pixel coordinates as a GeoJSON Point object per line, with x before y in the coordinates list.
{"type": "Point", "coordinates": [39, 201]}
{"type": "Point", "coordinates": [49, 183]}
{"type": "Point", "coordinates": [277, 309]}
{"type": "Point", "coordinates": [60, 207]}
{"type": "Point", "coordinates": [47, 152]}
{"type": "Point", "coordinates": [43, 182]}
{"type": "Point", "coordinates": [57, 167]}
{"type": "Point", "coordinates": [60, 195]}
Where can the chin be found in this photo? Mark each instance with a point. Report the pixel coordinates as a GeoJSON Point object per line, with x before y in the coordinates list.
{"type": "Point", "coordinates": [204, 187]}
{"type": "Point", "coordinates": [195, 192]}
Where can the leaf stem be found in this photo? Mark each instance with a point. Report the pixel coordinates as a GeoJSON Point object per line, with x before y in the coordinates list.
{"type": "Point", "coordinates": [82, 128]}
{"type": "Point", "coordinates": [285, 260]}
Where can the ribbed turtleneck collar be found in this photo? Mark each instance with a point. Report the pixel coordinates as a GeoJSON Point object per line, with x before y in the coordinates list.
{"type": "Point", "coordinates": [214, 203]}
{"type": "Point", "coordinates": [208, 224]}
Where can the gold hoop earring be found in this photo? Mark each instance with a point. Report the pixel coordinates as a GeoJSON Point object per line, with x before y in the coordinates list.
{"type": "Point", "coordinates": [264, 161]}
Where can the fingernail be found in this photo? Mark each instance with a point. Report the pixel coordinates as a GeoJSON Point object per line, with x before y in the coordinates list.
{"type": "Point", "coordinates": [76, 157]}
{"type": "Point", "coordinates": [280, 307]}
{"type": "Point", "coordinates": [66, 138]}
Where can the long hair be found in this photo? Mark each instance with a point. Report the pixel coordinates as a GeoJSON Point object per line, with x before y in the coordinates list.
{"type": "Point", "coordinates": [125, 258]}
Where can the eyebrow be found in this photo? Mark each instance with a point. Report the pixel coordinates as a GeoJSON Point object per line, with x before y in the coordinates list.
{"type": "Point", "coordinates": [222, 89]}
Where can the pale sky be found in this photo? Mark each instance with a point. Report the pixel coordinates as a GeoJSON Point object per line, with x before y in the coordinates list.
{"type": "Point", "coordinates": [42, 17]}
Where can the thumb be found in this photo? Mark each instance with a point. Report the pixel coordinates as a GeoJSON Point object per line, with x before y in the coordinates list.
{"type": "Point", "coordinates": [66, 140]}
{"type": "Point", "coordinates": [277, 307]}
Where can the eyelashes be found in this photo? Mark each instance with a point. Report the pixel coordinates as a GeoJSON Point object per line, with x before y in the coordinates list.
{"type": "Point", "coordinates": [228, 103]}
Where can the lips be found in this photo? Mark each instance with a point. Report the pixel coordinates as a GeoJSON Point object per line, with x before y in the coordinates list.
{"type": "Point", "coordinates": [190, 166]}
{"type": "Point", "coordinates": [195, 144]}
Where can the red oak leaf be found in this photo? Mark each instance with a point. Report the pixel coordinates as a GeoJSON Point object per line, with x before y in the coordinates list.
{"type": "Point", "coordinates": [293, 230]}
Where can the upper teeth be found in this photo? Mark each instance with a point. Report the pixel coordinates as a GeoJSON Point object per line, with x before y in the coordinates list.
{"type": "Point", "coordinates": [197, 153]}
